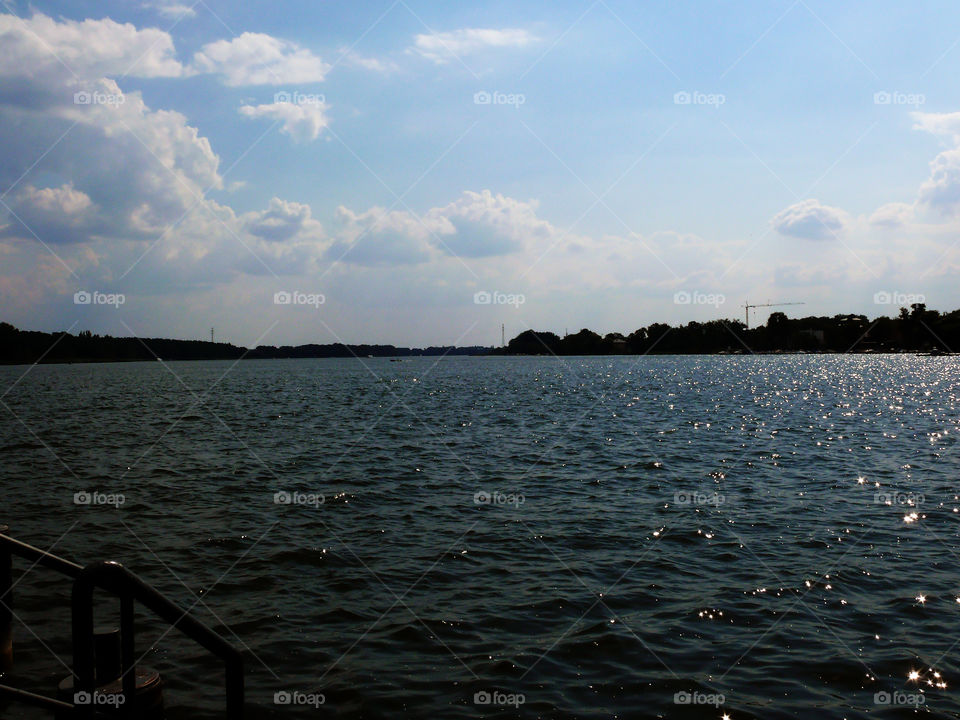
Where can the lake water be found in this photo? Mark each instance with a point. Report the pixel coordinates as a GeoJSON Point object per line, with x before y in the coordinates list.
{"type": "Point", "coordinates": [594, 537]}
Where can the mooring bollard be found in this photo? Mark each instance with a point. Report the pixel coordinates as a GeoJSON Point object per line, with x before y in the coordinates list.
{"type": "Point", "coordinates": [6, 606]}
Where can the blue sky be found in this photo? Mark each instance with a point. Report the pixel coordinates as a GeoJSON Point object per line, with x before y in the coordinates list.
{"type": "Point", "coordinates": [630, 158]}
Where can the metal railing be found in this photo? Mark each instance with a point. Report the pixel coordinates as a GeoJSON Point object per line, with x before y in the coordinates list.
{"type": "Point", "coordinates": [116, 580]}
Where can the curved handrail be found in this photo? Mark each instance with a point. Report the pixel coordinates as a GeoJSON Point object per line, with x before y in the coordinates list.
{"type": "Point", "coordinates": [8, 548]}
{"type": "Point", "coordinates": [40, 557]}
{"type": "Point", "coordinates": [117, 580]}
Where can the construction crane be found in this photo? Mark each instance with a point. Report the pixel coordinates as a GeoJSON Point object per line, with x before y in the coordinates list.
{"type": "Point", "coordinates": [747, 307]}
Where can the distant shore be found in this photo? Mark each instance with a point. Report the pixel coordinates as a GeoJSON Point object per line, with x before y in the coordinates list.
{"type": "Point", "coordinates": [915, 330]}
{"type": "Point", "coordinates": [19, 347]}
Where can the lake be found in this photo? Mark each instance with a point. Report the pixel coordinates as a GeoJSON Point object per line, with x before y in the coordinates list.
{"type": "Point", "coordinates": [757, 536]}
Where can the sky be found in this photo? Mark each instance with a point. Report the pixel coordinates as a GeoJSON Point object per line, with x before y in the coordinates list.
{"type": "Point", "coordinates": [419, 173]}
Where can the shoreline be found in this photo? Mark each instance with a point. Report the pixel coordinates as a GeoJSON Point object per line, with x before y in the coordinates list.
{"type": "Point", "coordinates": [776, 353]}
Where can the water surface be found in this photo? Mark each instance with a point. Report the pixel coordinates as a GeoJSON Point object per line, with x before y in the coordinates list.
{"type": "Point", "coordinates": [595, 535]}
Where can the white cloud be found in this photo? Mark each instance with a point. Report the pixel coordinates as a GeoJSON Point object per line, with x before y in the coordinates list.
{"type": "Point", "coordinates": [475, 226]}
{"type": "Point", "coordinates": [147, 166]}
{"type": "Point", "coordinates": [485, 224]}
{"type": "Point", "coordinates": [173, 8]}
{"type": "Point", "coordinates": [442, 47]}
{"type": "Point", "coordinates": [378, 237]}
{"type": "Point", "coordinates": [120, 176]}
{"type": "Point", "coordinates": [895, 214]}
{"type": "Point", "coordinates": [281, 221]}
{"type": "Point", "coordinates": [810, 220]}
{"type": "Point", "coordinates": [302, 122]}
{"type": "Point", "coordinates": [259, 59]}
{"type": "Point", "coordinates": [941, 191]}
{"type": "Point", "coordinates": [938, 124]}
{"type": "Point", "coordinates": [54, 214]}
{"type": "Point", "coordinates": [40, 47]}
{"type": "Point", "coordinates": [117, 174]}
{"type": "Point", "coordinates": [63, 200]}
{"type": "Point", "coordinates": [377, 65]}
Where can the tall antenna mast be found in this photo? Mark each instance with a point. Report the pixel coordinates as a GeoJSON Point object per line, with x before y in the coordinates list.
{"type": "Point", "coordinates": [211, 334]}
{"type": "Point", "coordinates": [503, 335]}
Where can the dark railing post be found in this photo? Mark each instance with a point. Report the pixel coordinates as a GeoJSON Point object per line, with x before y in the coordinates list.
{"type": "Point", "coordinates": [234, 685]}
{"type": "Point", "coordinates": [6, 607]}
{"type": "Point", "coordinates": [128, 658]}
{"type": "Point", "coordinates": [84, 675]}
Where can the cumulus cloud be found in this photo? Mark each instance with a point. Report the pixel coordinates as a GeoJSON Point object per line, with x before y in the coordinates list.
{"type": "Point", "coordinates": [810, 220]}
{"type": "Point", "coordinates": [442, 47]}
{"type": "Point", "coordinates": [63, 200]}
{"type": "Point", "coordinates": [282, 220]}
{"type": "Point", "coordinates": [259, 59]}
{"type": "Point", "coordinates": [895, 214]}
{"type": "Point", "coordinates": [147, 166]}
{"type": "Point", "coordinates": [52, 214]}
{"type": "Point", "coordinates": [125, 184]}
{"type": "Point", "coordinates": [379, 237]}
{"type": "Point", "coordinates": [117, 174]}
{"type": "Point", "coordinates": [40, 47]}
{"type": "Point", "coordinates": [302, 122]}
{"type": "Point", "coordinates": [941, 191]}
{"type": "Point", "coordinates": [938, 124]}
{"type": "Point", "coordinates": [483, 224]}
{"type": "Point", "coordinates": [121, 195]}
{"type": "Point", "coordinates": [476, 225]}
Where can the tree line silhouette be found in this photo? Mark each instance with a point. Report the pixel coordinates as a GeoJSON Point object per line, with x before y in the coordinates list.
{"type": "Point", "coordinates": [916, 329]}
{"type": "Point", "coordinates": [26, 346]}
